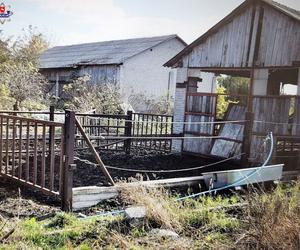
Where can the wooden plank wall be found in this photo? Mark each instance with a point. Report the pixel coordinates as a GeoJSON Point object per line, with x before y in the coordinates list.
{"type": "Point", "coordinates": [101, 74]}
{"type": "Point", "coordinates": [98, 74]}
{"type": "Point", "coordinates": [226, 48]}
{"type": "Point", "coordinates": [271, 110]}
{"type": "Point", "coordinates": [235, 44]}
{"type": "Point", "coordinates": [280, 39]}
{"type": "Point", "coordinates": [268, 112]}
{"type": "Point", "coordinates": [199, 108]}
{"type": "Point", "coordinates": [234, 131]}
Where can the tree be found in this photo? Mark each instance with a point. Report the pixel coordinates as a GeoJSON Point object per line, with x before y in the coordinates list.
{"type": "Point", "coordinates": [142, 102]}
{"type": "Point", "coordinates": [234, 85]}
{"type": "Point", "coordinates": [24, 82]}
{"type": "Point", "coordinates": [231, 86]}
{"type": "Point", "coordinates": [83, 96]}
{"type": "Point", "coordinates": [6, 101]}
{"type": "Point", "coordinates": [19, 68]}
{"type": "Point", "coordinates": [28, 47]}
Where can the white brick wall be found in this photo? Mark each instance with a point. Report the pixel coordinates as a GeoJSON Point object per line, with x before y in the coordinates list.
{"type": "Point", "coordinates": [179, 109]}
{"type": "Point", "coordinates": [145, 73]}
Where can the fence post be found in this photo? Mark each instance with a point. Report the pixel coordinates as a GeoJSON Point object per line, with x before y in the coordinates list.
{"type": "Point", "coordinates": [128, 132]}
{"type": "Point", "coordinates": [246, 147]}
{"type": "Point", "coordinates": [69, 138]}
{"type": "Point", "coordinates": [51, 114]}
{"type": "Point", "coordinates": [51, 118]}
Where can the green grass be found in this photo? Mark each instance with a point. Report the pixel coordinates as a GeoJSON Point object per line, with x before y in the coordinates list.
{"type": "Point", "coordinates": [269, 220]}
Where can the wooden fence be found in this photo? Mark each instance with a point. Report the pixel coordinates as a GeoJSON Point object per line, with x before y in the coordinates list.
{"type": "Point", "coordinates": [202, 112]}
{"type": "Point", "coordinates": [31, 152]}
{"type": "Point", "coordinates": [153, 129]}
{"type": "Point", "coordinates": [116, 133]}
{"type": "Point", "coordinates": [103, 131]}
{"type": "Point", "coordinates": [277, 114]}
{"type": "Point", "coordinates": [123, 132]}
{"type": "Point", "coordinates": [40, 153]}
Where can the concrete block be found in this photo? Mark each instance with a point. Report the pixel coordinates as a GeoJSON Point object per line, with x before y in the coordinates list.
{"type": "Point", "coordinates": [135, 212]}
{"type": "Point", "coordinates": [165, 233]}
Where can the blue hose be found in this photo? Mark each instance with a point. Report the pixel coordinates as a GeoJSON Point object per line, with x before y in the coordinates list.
{"type": "Point", "coordinates": [270, 137]}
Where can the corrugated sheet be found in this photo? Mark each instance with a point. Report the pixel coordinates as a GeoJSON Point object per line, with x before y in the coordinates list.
{"type": "Point", "coordinates": [99, 53]}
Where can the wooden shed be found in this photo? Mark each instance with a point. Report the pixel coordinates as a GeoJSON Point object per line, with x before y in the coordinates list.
{"type": "Point", "coordinates": [260, 39]}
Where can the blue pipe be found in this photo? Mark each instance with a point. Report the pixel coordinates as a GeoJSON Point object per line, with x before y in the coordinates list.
{"type": "Point", "coordinates": [270, 137]}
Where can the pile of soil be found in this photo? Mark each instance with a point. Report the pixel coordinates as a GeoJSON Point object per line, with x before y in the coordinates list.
{"type": "Point", "coordinates": [87, 174]}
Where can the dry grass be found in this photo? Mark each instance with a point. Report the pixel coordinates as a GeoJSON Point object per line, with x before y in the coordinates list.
{"type": "Point", "coordinates": [160, 206]}
{"type": "Point", "coordinates": [258, 220]}
{"type": "Point", "coordinates": [273, 219]}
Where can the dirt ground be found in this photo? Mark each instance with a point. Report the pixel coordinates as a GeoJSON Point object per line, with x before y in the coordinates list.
{"type": "Point", "coordinates": [89, 175]}
{"type": "Point", "coordinates": [20, 201]}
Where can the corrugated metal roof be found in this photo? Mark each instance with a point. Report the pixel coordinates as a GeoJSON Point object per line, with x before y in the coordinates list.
{"type": "Point", "coordinates": [99, 53]}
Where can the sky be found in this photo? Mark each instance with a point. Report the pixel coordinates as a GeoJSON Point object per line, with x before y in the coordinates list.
{"type": "Point", "coordinates": [80, 21]}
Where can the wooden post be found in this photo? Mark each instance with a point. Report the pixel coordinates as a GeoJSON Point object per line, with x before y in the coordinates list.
{"type": "Point", "coordinates": [246, 147]}
{"type": "Point", "coordinates": [67, 183]}
{"type": "Point", "coordinates": [298, 165]}
{"type": "Point", "coordinates": [95, 153]}
{"type": "Point", "coordinates": [250, 92]}
{"type": "Point", "coordinates": [16, 108]}
{"type": "Point", "coordinates": [51, 115]}
{"type": "Point", "coordinates": [128, 130]}
{"type": "Point", "coordinates": [51, 128]}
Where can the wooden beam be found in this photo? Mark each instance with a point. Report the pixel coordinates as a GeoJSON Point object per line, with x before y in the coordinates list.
{"type": "Point", "coordinates": [67, 172]}
{"type": "Point", "coordinates": [95, 153]}
{"type": "Point", "coordinates": [84, 197]}
{"type": "Point", "coordinates": [250, 92]}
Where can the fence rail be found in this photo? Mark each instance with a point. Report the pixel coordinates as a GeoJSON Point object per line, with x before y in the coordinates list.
{"type": "Point", "coordinates": [40, 153]}
{"type": "Point", "coordinates": [27, 152]}
{"type": "Point", "coordinates": [151, 125]}
{"type": "Point", "coordinates": [122, 132]}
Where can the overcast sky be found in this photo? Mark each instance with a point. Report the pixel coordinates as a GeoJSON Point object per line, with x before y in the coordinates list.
{"type": "Point", "coordinates": [79, 21]}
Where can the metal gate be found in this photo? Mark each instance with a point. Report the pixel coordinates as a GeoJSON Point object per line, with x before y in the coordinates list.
{"type": "Point", "coordinates": [31, 152]}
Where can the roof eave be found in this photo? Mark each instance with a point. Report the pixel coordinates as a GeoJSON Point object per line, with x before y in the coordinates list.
{"type": "Point", "coordinates": [78, 65]}
{"type": "Point", "coordinates": [188, 49]}
{"type": "Point", "coordinates": [166, 40]}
